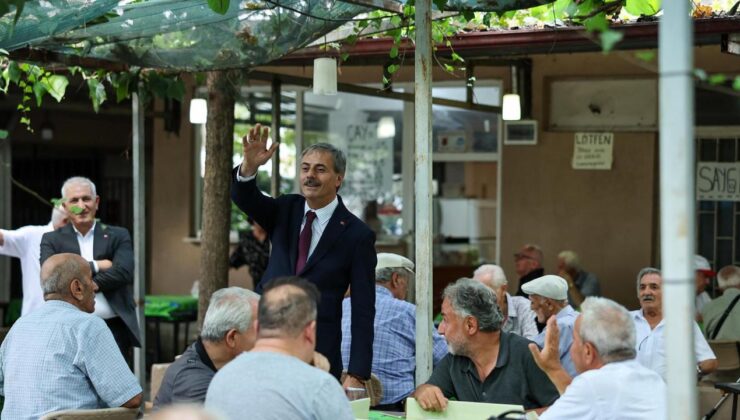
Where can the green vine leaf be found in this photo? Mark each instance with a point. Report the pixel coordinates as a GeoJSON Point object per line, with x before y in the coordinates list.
{"type": "Point", "coordinates": [219, 6]}
{"type": "Point", "coordinates": [736, 83]}
{"type": "Point", "coordinates": [609, 38]}
{"type": "Point", "coordinates": [39, 90]}
{"type": "Point", "coordinates": [97, 93]}
{"type": "Point", "coordinates": [642, 7]}
{"type": "Point", "coordinates": [56, 85]}
{"type": "Point", "coordinates": [3, 134]}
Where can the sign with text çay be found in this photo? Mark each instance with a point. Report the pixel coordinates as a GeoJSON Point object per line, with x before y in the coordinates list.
{"type": "Point", "coordinates": [718, 181]}
{"type": "Point", "coordinates": [370, 163]}
{"type": "Point", "coordinates": [593, 151]}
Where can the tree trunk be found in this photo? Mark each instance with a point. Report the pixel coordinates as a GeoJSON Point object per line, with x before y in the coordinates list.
{"type": "Point", "coordinates": [214, 257]}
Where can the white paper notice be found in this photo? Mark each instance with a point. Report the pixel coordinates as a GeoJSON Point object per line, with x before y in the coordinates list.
{"type": "Point", "coordinates": [593, 151]}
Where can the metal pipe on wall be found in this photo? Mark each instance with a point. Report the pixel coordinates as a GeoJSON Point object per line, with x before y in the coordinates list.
{"type": "Point", "coordinates": [139, 234]}
{"type": "Point", "coordinates": [676, 90]}
{"type": "Point", "coordinates": [423, 187]}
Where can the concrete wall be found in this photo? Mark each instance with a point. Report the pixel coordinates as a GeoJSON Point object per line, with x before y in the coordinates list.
{"type": "Point", "coordinates": [174, 253]}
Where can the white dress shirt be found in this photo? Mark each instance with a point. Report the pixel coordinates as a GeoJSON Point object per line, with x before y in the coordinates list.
{"type": "Point", "coordinates": [623, 390]}
{"type": "Point", "coordinates": [520, 317]}
{"type": "Point", "coordinates": [322, 219]}
{"type": "Point", "coordinates": [650, 344]}
{"type": "Point", "coordinates": [102, 307]}
{"type": "Point", "coordinates": [25, 244]}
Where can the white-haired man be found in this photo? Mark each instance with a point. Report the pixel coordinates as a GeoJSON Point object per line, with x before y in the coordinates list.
{"type": "Point", "coordinates": [394, 347]}
{"type": "Point", "coordinates": [722, 315]}
{"type": "Point", "coordinates": [581, 283]}
{"type": "Point", "coordinates": [228, 330]}
{"type": "Point", "coordinates": [24, 243]}
{"type": "Point", "coordinates": [484, 364]}
{"type": "Point", "coordinates": [549, 297]}
{"type": "Point", "coordinates": [518, 316]}
{"type": "Point", "coordinates": [649, 327]}
{"type": "Point", "coordinates": [108, 250]}
{"type": "Point", "coordinates": [611, 384]}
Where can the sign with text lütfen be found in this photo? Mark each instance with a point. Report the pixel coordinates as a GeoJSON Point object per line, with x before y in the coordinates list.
{"type": "Point", "coordinates": [718, 181]}
{"type": "Point", "coordinates": [593, 151]}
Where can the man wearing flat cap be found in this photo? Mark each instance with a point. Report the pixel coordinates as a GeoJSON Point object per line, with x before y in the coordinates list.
{"type": "Point", "coordinates": [549, 296]}
{"type": "Point", "coordinates": [394, 348]}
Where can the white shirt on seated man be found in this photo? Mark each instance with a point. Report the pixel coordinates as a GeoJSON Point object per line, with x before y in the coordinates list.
{"type": "Point", "coordinates": [611, 384]}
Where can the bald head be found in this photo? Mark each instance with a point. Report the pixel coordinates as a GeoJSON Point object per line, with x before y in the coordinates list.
{"type": "Point", "coordinates": [59, 270]}
{"type": "Point", "coordinates": [287, 306]}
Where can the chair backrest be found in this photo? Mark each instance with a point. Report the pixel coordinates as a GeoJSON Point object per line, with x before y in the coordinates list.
{"type": "Point", "coordinates": [373, 386]}
{"type": "Point", "coordinates": [727, 352]}
{"type": "Point", "coordinates": [118, 413]}
{"type": "Point", "coordinates": [158, 370]}
{"type": "Point", "coordinates": [374, 390]}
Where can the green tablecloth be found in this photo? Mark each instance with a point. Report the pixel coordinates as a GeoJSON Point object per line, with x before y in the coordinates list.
{"type": "Point", "coordinates": [169, 307]}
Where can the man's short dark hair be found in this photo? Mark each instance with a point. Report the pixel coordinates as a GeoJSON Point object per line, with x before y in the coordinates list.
{"type": "Point", "coordinates": [288, 304]}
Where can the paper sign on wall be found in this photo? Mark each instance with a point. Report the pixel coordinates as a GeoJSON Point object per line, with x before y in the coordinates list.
{"type": "Point", "coordinates": [593, 151]}
{"type": "Point", "coordinates": [718, 181]}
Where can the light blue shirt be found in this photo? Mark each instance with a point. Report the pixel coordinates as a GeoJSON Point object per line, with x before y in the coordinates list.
{"type": "Point", "coordinates": [566, 319]}
{"type": "Point", "coordinates": [59, 357]}
{"type": "Point", "coordinates": [394, 346]}
{"type": "Point", "coordinates": [273, 386]}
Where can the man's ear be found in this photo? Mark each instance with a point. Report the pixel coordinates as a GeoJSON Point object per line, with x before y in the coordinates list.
{"type": "Point", "coordinates": [230, 338]}
{"type": "Point", "coordinates": [309, 332]}
{"type": "Point", "coordinates": [395, 280]}
{"type": "Point", "coordinates": [76, 289]}
{"type": "Point", "coordinates": [590, 352]}
{"type": "Point", "coordinates": [471, 325]}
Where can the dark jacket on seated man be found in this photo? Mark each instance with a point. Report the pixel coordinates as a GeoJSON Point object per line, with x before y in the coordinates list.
{"type": "Point", "coordinates": [228, 331]}
{"type": "Point", "coordinates": [187, 378]}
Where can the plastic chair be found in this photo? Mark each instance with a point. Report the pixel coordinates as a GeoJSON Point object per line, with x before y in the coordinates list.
{"type": "Point", "coordinates": [118, 413]}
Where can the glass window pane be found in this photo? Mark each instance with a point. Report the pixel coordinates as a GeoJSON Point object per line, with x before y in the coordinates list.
{"type": "Point", "coordinates": [724, 253]}
{"type": "Point", "coordinates": [370, 131]}
{"type": "Point", "coordinates": [456, 130]}
{"type": "Point", "coordinates": [456, 93]}
{"type": "Point", "coordinates": [487, 95]}
{"type": "Point", "coordinates": [706, 205]}
{"type": "Point", "coordinates": [725, 218]}
{"type": "Point", "coordinates": [708, 150]}
{"type": "Point", "coordinates": [706, 235]}
{"type": "Point", "coordinates": [727, 150]}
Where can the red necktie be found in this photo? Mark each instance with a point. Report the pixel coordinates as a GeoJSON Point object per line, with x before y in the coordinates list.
{"type": "Point", "coordinates": [304, 242]}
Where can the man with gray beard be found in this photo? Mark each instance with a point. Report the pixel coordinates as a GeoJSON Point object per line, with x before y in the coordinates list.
{"type": "Point", "coordinates": [484, 364]}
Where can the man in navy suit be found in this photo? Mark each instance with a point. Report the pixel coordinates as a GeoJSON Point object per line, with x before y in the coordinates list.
{"type": "Point", "coordinates": [314, 236]}
{"type": "Point", "coordinates": [110, 254]}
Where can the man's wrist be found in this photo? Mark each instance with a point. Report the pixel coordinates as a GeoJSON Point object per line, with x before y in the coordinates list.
{"type": "Point", "coordinates": [358, 377]}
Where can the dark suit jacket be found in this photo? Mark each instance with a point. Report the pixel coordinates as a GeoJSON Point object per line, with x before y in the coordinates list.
{"type": "Point", "coordinates": [344, 256]}
{"type": "Point", "coordinates": [109, 243]}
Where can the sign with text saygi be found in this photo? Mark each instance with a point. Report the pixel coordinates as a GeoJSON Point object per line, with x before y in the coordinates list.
{"type": "Point", "coordinates": [718, 181]}
{"type": "Point", "coordinates": [593, 151]}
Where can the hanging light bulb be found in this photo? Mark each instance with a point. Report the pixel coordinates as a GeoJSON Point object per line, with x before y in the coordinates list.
{"type": "Point", "coordinates": [325, 76]}
{"type": "Point", "coordinates": [386, 127]}
{"type": "Point", "coordinates": [512, 109]}
{"type": "Point", "coordinates": [198, 111]}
